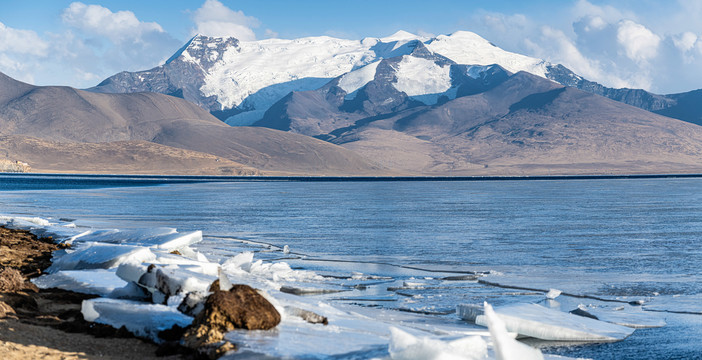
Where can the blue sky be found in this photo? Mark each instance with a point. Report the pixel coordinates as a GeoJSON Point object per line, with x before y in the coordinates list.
{"type": "Point", "coordinates": [656, 45]}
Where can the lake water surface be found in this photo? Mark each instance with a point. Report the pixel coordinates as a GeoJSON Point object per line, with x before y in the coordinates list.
{"type": "Point", "coordinates": [625, 239]}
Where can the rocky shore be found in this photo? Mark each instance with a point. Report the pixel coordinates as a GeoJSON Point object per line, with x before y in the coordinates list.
{"type": "Point", "coordinates": [48, 323]}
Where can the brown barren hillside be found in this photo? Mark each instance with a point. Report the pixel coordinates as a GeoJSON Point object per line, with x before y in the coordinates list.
{"type": "Point", "coordinates": [121, 133]}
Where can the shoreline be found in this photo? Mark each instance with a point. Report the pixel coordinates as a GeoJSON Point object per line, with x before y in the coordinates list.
{"type": "Point", "coordinates": [158, 178]}
{"type": "Point", "coordinates": [47, 323]}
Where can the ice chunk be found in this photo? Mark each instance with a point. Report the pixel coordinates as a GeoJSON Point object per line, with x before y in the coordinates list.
{"type": "Point", "coordinates": [406, 346]}
{"type": "Point", "coordinates": [159, 238]}
{"type": "Point", "coordinates": [131, 271]}
{"type": "Point", "coordinates": [243, 264]}
{"type": "Point", "coordinates": [506, 347]}
{"type": "Point", "coordinates": [23, 223]}
{"type": "Point", "coordinates": [469, 312]}
{"type": "Point", "coordinates": [169, 280]}
{"type": "Point", "coordinates": [100, 256]}
{"type": "Point", "coordinates": [623, 316]}
{"type": "Point", "coordinates": [96, 281]}
{"type": "Point", "coordinates": [542, 323]}
{"type": "Point", "coordinates": [145, 320]}
{"type": "Point", "coordinates": [553, 293]}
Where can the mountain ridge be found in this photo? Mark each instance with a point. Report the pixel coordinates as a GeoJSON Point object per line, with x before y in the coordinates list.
{"type": "Point", "coordinates": [206, 70]}
{"type": "Point", "coordinates": [520, 124]}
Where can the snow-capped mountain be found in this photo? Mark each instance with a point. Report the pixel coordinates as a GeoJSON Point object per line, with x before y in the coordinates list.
{"type": "Point", "coordinates": [239, 80]}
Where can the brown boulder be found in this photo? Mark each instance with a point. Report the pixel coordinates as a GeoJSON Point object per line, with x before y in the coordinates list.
{"type": "Point", "coordinates": [242, 307]}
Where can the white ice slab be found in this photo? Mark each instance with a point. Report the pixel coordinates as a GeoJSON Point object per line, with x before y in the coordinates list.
{"type": "Point", "coordinates": [629, 316]}
{"type": "Point", "coordinates": [684, 304]}
{"type": "Point", "coordinates": [159, 238]}
{"type": "Point", "coordinates": [542, 323]}
{"type": "Point", "coordinates": [243, 264]}
{"type": "Point", "coordinates": [165, 281]}
{"type": "Point", "coordinates": [505, 346]}
{"type": "Point", "coordinates": [23, 222]}
{"type": "Point", "coordinates": [59, 232]}
{"type": "Point", "coordinates": [100, 256]}
{"type": "Point", "coordinates": [142, 319]}
{"type": "Point", "coordinates": [95, 281]}
{"type": "Point", "coordinates": [406, 346]}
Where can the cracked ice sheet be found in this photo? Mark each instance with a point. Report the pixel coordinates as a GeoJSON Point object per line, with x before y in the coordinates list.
{"type": "Point", "coordinates": [95, 281]}
{"type": "Point", "coordinates": [685, 304]}
{"type": "Point", "coordinates": [351, 329]}
{"type": "Point", "coordinates": [601, 285]}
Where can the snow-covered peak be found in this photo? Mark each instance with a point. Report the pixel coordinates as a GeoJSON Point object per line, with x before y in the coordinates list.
{"type": "Point", "coordinates": [204, 50]}
{"type": "Point", "coordinates": [468, 48]}
{"type": "Point", "coordinates": [400, 36]}
{"type": "Point", "coordinates": [253, 75]}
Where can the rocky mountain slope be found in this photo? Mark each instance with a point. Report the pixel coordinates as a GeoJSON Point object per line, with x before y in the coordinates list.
{"type": "Point", "coordinates": [238, 81]}
{"type": "Point", "coordinates": [468, 120]}
{"type": "Point", "coordinates": [134, 128]}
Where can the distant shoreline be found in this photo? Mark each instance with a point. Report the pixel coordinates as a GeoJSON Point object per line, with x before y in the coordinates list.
{"type": "Point", "coordinates": [218, 178]}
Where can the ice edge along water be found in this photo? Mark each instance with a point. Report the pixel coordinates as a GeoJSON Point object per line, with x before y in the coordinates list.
{"type": "Point", "coordinates": [144, 275]}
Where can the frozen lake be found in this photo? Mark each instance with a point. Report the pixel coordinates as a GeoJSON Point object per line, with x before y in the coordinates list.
{"type": "Point", "coordinates": [609, 239]}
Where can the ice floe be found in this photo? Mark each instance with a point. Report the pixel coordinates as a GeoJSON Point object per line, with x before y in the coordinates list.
{"type": "Point", "coordinates": [159, 267]}
{"type": "Point", "coordinates": [159, 238]}
{"type": "Point", "coordinates": [623, 315]}
{"type": "Point", "coordinates": [99, 256]}
{"type": "Point", "coordinates": [142, 319]}
{"type": "Point", "coordinates": [506, 347]}
{"type": "Point", "coordinates": [539, 322]}
{"type": "Point", "coordinates": [95, 281]}
{"type": "Point", "coordinates": [406, 346]}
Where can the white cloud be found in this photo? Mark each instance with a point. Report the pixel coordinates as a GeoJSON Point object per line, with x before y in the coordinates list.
{"type": "Point", "coordinates": [596, 23]}
{"type": "Point", "coordinates": [569, 53]}
{"type": "Point", "coordinates": [607, 13]}
{"type": "Point", "coordinates": [121, 26]}
{"type": "Point", "coordinates": [215, 19]}
{"type": "Point", "coordinates": [639, 43]}
{"type": "Point", "coordinates": [685, 41]}
{"type": "Point", "coordinates": [270, 34]}
{"type": "Point", "coordinates": [559, 48]}
{"type": "Point", "coordinates": [21, 42]}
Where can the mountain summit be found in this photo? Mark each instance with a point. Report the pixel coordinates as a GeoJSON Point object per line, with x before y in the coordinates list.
{"type": "Point", "coordinates": [238, 81]}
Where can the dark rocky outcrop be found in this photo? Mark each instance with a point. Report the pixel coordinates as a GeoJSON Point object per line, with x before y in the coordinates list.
{"type": "Point", "coordinates": [242, 307]}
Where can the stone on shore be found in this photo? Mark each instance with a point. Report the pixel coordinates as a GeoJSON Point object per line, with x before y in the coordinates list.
{"type": "Point", "coordinates": [242, 307]}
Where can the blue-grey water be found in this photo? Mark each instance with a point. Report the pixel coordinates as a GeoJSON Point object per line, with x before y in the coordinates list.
{"type": "Point", "coordinates": [616, 238]}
